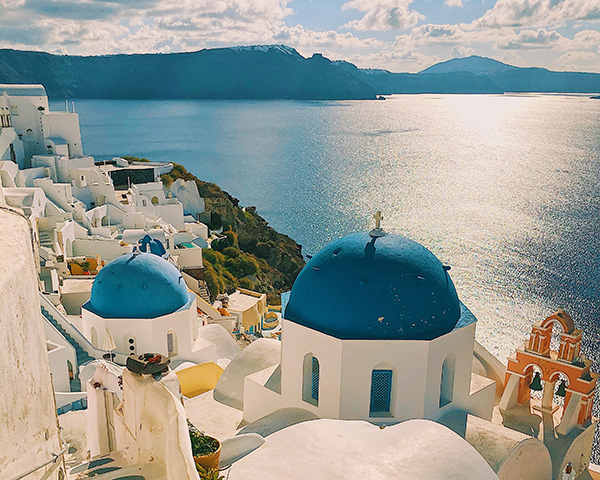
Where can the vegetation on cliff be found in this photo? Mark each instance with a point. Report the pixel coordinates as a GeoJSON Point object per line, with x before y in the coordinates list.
{"type": "Point", "coordinates": [251, 254]}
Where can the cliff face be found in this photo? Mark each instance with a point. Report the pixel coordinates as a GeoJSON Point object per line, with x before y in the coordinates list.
{"type": "Point", "coordinates": [260, 72]}
{"type": "Point", "coordinates": [254, 255]}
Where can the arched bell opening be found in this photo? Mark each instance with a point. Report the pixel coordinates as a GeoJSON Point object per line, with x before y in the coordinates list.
{"type": "Point", "coordinates": [561, 383]}
{"type": "Point", "coordinates": [535, 382]}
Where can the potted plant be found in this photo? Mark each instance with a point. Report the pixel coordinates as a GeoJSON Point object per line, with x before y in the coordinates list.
{"type": "Point", "coordinates": [206, 451]}
{"type": "Point", "coordinates": [210, 474]}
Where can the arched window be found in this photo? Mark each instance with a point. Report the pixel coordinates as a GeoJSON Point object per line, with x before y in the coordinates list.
{"type": "Point", "coordinates": [447, 381]}
{"type": "Point", "coordinates": [94, 334]}
{"type": "Point", "coordinates": [171, 343]}
{"type": "Point", "coordinates": [310, 379]}
{"type": "Point", "coordinates": [69, 248]}
{"type": "Point", "coordinates": [381, 391]}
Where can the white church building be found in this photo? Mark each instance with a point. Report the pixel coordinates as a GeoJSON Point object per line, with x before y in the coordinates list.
{"type": "Point", "coordinates": [352, 347]}
{"type": "Point", "coordinates": [142, 301]}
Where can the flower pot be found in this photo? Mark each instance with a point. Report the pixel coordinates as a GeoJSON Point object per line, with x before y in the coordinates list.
{"type": "Point", "coordinates": [210, 461]}
{"type": "Point", "coordinates": [148, 364]}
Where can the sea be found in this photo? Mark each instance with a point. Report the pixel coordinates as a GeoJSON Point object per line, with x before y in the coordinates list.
{"type": "Point", "coordinates": [503, 188]}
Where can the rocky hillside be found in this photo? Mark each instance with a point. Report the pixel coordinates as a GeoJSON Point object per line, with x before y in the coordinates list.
{"type": "Point", "coordinates": [253, 255]}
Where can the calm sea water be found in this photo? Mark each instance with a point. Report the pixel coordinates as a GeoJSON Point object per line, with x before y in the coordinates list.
{"type": "Point", "coordinates": [505, 189]}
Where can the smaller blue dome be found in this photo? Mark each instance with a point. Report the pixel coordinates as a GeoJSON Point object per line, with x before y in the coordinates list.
{"type": "Point", "coordinates": [386, 288]}
{"type": "Point", "coordinates": [140, 285]}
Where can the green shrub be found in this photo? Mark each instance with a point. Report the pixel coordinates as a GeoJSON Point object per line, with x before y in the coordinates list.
{"type": "Point", "coordinates": [231, 252]}
{"type": "Point", "coordinates": [246, 283]}
{"type": "Point", "coordinates": [248, 265]}
{"type": "Point", "coordinates": [229, 282]}
{"type": "Point", "coordinates": [242, 266]}
{"type": "Point", "coordinates": [273, 298]}
{"type": "Point", "coordinates": [232, 237]}
{"type": "Point", "coordinates": [212, 256]}
{"type": "Point", "coordinates": [263, 250]}
{"type": "Point", "coordinates": [219, 245]}
{"type": "Point", "coordinates": [214, 282]}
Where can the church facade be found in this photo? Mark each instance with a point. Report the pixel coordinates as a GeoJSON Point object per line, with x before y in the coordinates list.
{"type": "Point", "coordinates": [350, 349]}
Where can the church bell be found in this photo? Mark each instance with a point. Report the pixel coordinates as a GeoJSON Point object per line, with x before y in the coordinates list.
{"type": "Point", "coordinates": [536, 384]}
{"type": "Point", "coordinates": [561, 391]}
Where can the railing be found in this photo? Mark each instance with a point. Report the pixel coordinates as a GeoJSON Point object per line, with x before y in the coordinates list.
{"type": "Point", "coordinates": [55, 457]}
{"type": "Point", "coordinates": [83, 342]}
{"type": "Point", "coordinates": [80, 403]}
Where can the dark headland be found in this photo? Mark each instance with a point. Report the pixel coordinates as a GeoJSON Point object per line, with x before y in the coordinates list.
{"type": "Point", "coordinates": [259, 72]}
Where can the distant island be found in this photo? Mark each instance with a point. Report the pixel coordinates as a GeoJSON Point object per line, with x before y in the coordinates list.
{"type": "Point", "coordinates": [270, 72]}
{"type": "Point", "coordinates": [476, 74]}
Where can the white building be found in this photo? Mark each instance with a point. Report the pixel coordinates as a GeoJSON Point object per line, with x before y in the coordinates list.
{"type": "Point", "coordinates": [11, 146]}
{"type": "Point", "coordinates": [42, 149]}
{"type": "Point", "coordinates": [373, 330]}
{"type": "Point", "coordinates": [40, 130]}
{"type": "Point", "coordinates": [151, 197]}
{"type": "Point", "coordinates": [144, 302]}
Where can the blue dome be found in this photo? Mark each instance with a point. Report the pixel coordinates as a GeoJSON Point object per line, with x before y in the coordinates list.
{"type": "Point", "coordinates": [141, 285]}
{"type": "Point", "coordinates": [385, 288]}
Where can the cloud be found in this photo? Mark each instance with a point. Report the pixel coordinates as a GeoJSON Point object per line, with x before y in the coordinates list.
{"type": "Point", "coordinates": [434, 34]}
{"type": "Point", "coordinates": [585, 39]}
{"type": "Point", "coordinates": [11, 4]}
{"type": "Point", "coordinates": [580, 60]}
{"type": "Point", "coordinates": [129, 26]}
{"type": "Point", "coordinates": [394, 60]}
{"type": "Point", "coordinates": [454, 3]}
{"type": "Point", "coordinates": [539, 13]}
{"type": "Point", "coordinates": [309, 41]}
{"type": "Point", "coordinates": [460, 51]}
{"type": "Point", "coordinates": [531, 39]}
{"type": "Point", "coordinates": [382, 15]}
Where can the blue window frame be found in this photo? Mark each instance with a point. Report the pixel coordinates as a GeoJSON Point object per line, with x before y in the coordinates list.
{"type": "Point", "coordinates": [315, 380]}
{"type": "Point", "coordinates": [310, 379]}
{"type": "Point", "coordinates": [381, 391]}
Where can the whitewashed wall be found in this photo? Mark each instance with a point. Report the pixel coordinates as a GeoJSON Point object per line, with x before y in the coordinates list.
{"type": "Point", "coordinates": [28, 426]}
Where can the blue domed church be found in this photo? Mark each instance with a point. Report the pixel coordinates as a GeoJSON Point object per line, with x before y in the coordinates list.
{"type": "Point", "coordinates": [143, 302]}
{"type": "Point", "coordinates": [373, 330]}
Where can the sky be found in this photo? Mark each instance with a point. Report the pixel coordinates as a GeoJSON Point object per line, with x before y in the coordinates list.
{"type": "Point", "coordinates": [397, 35]}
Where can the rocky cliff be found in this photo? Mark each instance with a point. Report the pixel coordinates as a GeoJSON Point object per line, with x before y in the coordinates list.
{"type": "Point", "coordinates": [252, 254]}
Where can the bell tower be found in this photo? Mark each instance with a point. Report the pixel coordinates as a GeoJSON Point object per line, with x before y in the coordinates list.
{"type": "Point", "coordinates": [535, 366]}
